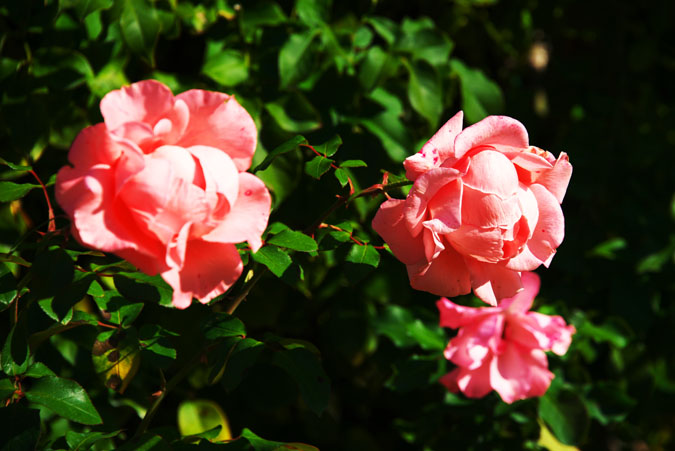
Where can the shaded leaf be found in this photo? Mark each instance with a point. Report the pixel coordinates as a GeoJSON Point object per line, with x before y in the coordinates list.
{"type": "Point", "coordinates": [84, 440]}
{"type": "Point", "coordinates": [223, 325]}
{"type": "Point", "coordinates": [565, 413]}
{"type": "Point", "coordinates": [225, 66]}
{"type": "Point", "coordinates": [286, 147]}
{"type": "Point", "coordinates": [304, 367]}
{"type": "Point", "coordinates": [25, 424]}
{"type": "Point", "coordinates": [318, 166]}
{"type": "Point", "coordinates": [140, 27]}
{"type": "Point", "coordinates": [8, 288]}
{"type": "Point", "coordinates": [480, 95]}
{"type": "Point", "coordinates": [65, 397]}
{"type": "Point", "coordinates": [10, 191]}
{"type": "Point", "coordinates": [424, 92]}
{"type": "Point", "coordinates": [293, 57]}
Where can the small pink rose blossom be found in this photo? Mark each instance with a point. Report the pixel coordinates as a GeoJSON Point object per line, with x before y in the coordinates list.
{"type": "Point", "coordinates": [484, 207]}
{"type": "Point", "coordinates": [502, 348]}
{"type": "Point", "coordinates": [161, 183]}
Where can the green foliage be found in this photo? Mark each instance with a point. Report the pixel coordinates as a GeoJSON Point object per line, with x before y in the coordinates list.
{"type": "Point", "coordinates": [325, 342]}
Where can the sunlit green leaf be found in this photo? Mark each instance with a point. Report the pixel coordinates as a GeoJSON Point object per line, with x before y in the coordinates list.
{"type": "Point", "coordinates": [10, 191]}
{"type": "Point", "coordinates": [425, 92]}
{"type": "Point", "coordinates": [225, 66]}
{"type": "Point", "coordinates": [286, 147]}
{"type": "Point", "coordinates": [318, 166]}
{"type": "Point", "coordinates": [274, 258]}
{"type": "Point", "coordinates": [293, 57]}
{"type": "Point", "coordinates": [480, 95]}
{"type": "Point", "coordinates": [291, 239]}
{"type": "Point", "coordinates": [201, 415]}
{"type": "Point", "coordinates": [364, 254]}
{"type": "Point", "coordinates": [140, 27]}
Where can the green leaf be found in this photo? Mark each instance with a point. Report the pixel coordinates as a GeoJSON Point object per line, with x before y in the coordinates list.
{"type": "Point", "coordinates": [110, 77]}
{"type": "Point", "coordinates": [353, 164]}
{"type": "Point", "coordinates": [198, 416]}
{"type": "Point", "coordinates": [261, 444]}
{"type": "Point", "coordinates": [85, 7]}
{"type": "Point", "coordinates": [424, 91]}
{"type": "Point", "coordinates": [140, 27]}
{"type": "Point", "coordinates": [84, 440]}
{"type": "Point", "coordinates": [7, 389]}
{"type": "Point", "coordinates": [291, 239]}
{"type": "Point", "coordinates": [294, 113]}
{"type": "Point", "coordinates": [49, 60]}
{"type": "Point", "coordinates": [223, 325]}
{"type": "Point", "coordinates": [37, 370]}
{"type": "Point", "coordinates": [342, 176]}
{"type": "Point", "coordinates": [565, 414]}
{"type": "Point", "coordinates": [372, 67]}
{"type": "Point", "coordinates": [318, 166]}
{"type": "Point", "coordinates": [286, 147]}
{"type": "Point", "coordinates": [65, 397]}
{"type": "Point", "coordinates": [294, 61]}
{"type": "Point", "coordinates": [362, 38]}
{"type": "Point", "coordinates": [243, 356]}
{"type": "Point", "coordinates": [16, 167]}
{"type": "Point", "coordinates": [137, 286]}
{"type": "Point", "coordinates": [225, 66]}
{"type": "Point", "coordinates": [118, 309]}
{"type": "Point", "coordinates": [405, 330]}
{"type": "Point", "coordinates": [611, 331]}
{"type": "Point", "coordinates": [259, 14]}
{"type": "Point", "coordinates": [480, 95]}
{"type": "Point", "coordinates": [364, 254]}
{"type": "Point", "coordinates": [423, 41]}
{"type": "Point", "coordinates": [416, 372]}
{"type": "Point", "coordinates": [15, 358]}
{"type": "Point", "coordinates": [52, 273]}
{"type": "Point", "coordinates": [60, 306]}
{"type": "Point", "coordinates": [313, 13]}
{"type": "Point", "coordinates": [10, 191]}
{"type": "Point", "coordinates": [274, 258]}
{"type": "Point", "coordinates": [386, 28]}
{"type": "Point", "coordinates": [608, 249]}
{"type": "Point", "coordinates": [304, 367]}
{"type": "Point", "coordinates": [608, 402]}
{"type": "Point", "coordinates": [8, 287]}
{"type": "Point", "coordinates": [330, 147]}
{"type": "Point", "coordinates": [24, 424]}
{"type": "Point", "coordinates": [155, 344]}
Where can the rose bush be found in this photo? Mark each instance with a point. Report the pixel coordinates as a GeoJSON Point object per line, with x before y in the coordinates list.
{"type": "Point", "coordinates": [161, 184]}
{"type": "Point", "coordinates": [484, 207]}
{"type": "Point", "coordinates": [502, 348]}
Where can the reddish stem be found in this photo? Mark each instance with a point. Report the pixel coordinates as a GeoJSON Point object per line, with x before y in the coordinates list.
{"type": "Point", "coordinates": [52, 223]}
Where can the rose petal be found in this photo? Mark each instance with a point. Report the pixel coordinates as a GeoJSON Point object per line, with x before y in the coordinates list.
{"type": "Point", "coordinates": [146, 101]}
{"type": "Point", "coordinates": [475, 341]}
{"type": "Point", "coordinates": [100, 222]}
{"type": "Point", "coordinates": [550, 229]}
{"type": "Point", "coordinates": [523, 300]}
{"type": "Point", "coordinates": [445, 207]}
{"type": "Point", "coordinates": [454, 315]}
{"type": "Point", "coordinates": [94, 145]}
{"type": "Point", "coordinates": [218, 120]}
{"type": "Point", "coordinates": [492, 282]}
{"type": "Point", "coordinates": [492, 131]}
{"type": "Point", "coordinates": [483, 244]}
{"type": "Point", "coordinates": [220, 173]}
{"type": "Point", "coordinates": [491, 172]}
{"type": "Point", "coordinates": [519, 373]}
{"type": "Point", "coordinates": [424, 189]}
{"type": "Point", "coordinates": [447, 275]}
{"type": "Point", "coordinates": [248, 217]}
{"type": "Point", "coordinates": [475, 383]}
{"type": "Point", "coordinates": [557, 179]}
{"type": "Point", "coordinates": [390, 225]}
{"type": "Point", "coordinates": [209, 270]}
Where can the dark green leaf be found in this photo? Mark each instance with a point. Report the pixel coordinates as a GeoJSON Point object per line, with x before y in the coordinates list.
{"type": "Point", "coordinates": [155, 344]}
{"type": "Point", "coordinates": [353, 164]}
{"type": "Point", "coordinates": [401, 326]}
{"type": "Point", "coordinates": [294, 63]}
{"type": "Point", "coordinates": [304, 367]}
{"type": "Point", "coordinates": [318, 166]}
{"type": "Point", "coordinates": [225, 66]}
{"type": "Point", "coordinates": [8, 288]}
{"type": "Point", "coordinates": [565, 414]}
{"type": "Point", "coordinates": [146, 442]}
{"type": "Point", "coordinates": [59, 307]}
{"type": "Point", "coordinates": [10, 191]}
{"type": "Point", "coordinates": [16, 167]}
{"type": "Point", "coordinates": [140, 287]}
{"type": "Point", "coordinates": [313, 13]}
{"type": "Point", "coordinates": [480, 95]}
{"type": "Point", "coordinates": [386, 28]}
{"type": "Point", "coordinates": [372, 67]}
{"type": "Point", "coordinates": [15, 358]}
{"type": "Point", "coordinates": [364, 254]}
{"type": "Point", "coordinates": [84, 440]}
{"type": "Point", "coordinates": [274, 258]}
{"type": "Point", "coordinates": [38, 369]}
{"type": "Point", "coordinates": [330, 147]}
{"type": "Point", "coordinates": [140, 27]}
{"type": "Point", "coordinates": [261, 13]}
{"type": "Point", "coordinates": [294, 113]}
{"type": "Point", "coordinates": [424, 91]}
{"type": "Point", "coordinates": [243, 357]}
{"type": "Point", "coordinates": [342, 176]}
{"type": "Point", "coordinates": [292, 239]}
{"type": "Point", "coordinates": [52, 273]}
{"type": "Point", "coordinates": [223, 325]}
{"type": "Point", "coordinates": [286, 147]}
{"type": "Point", "coordinates": [423, 41]}
{"type": "Point", "coordinates": [65, 397]}
{"type": "Point", "coordinates": [260, 444]}
{"type": "Point", "coordinates": [7, 389]}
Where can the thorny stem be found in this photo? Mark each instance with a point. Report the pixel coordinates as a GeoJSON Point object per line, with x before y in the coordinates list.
{"type": "Point", "coordinates": [232, 306]}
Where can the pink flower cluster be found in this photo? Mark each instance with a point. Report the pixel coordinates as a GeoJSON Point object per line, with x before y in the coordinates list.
{"type": "Point", "coordinates": [162, 183]}
{"type": "Point", "coordinates": [502, 348]}
{"type": "Point", "coordinates": [483, 211]}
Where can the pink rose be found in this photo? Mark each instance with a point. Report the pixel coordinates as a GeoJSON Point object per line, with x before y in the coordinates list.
{"type": "Point", "coordinates": [502, 348]}
{"type": "Point", "coordinates": [161, 184]}
{"type": "Point", "coordinates": [484, 207]}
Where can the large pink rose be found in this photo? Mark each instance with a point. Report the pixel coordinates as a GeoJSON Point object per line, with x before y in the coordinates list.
{"type": "Point", "coordinates": [161, 184]}
{"type": "Point", "coordinates": [484, 207]}
{"type": "Point", "coordinates": [502, 348]}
